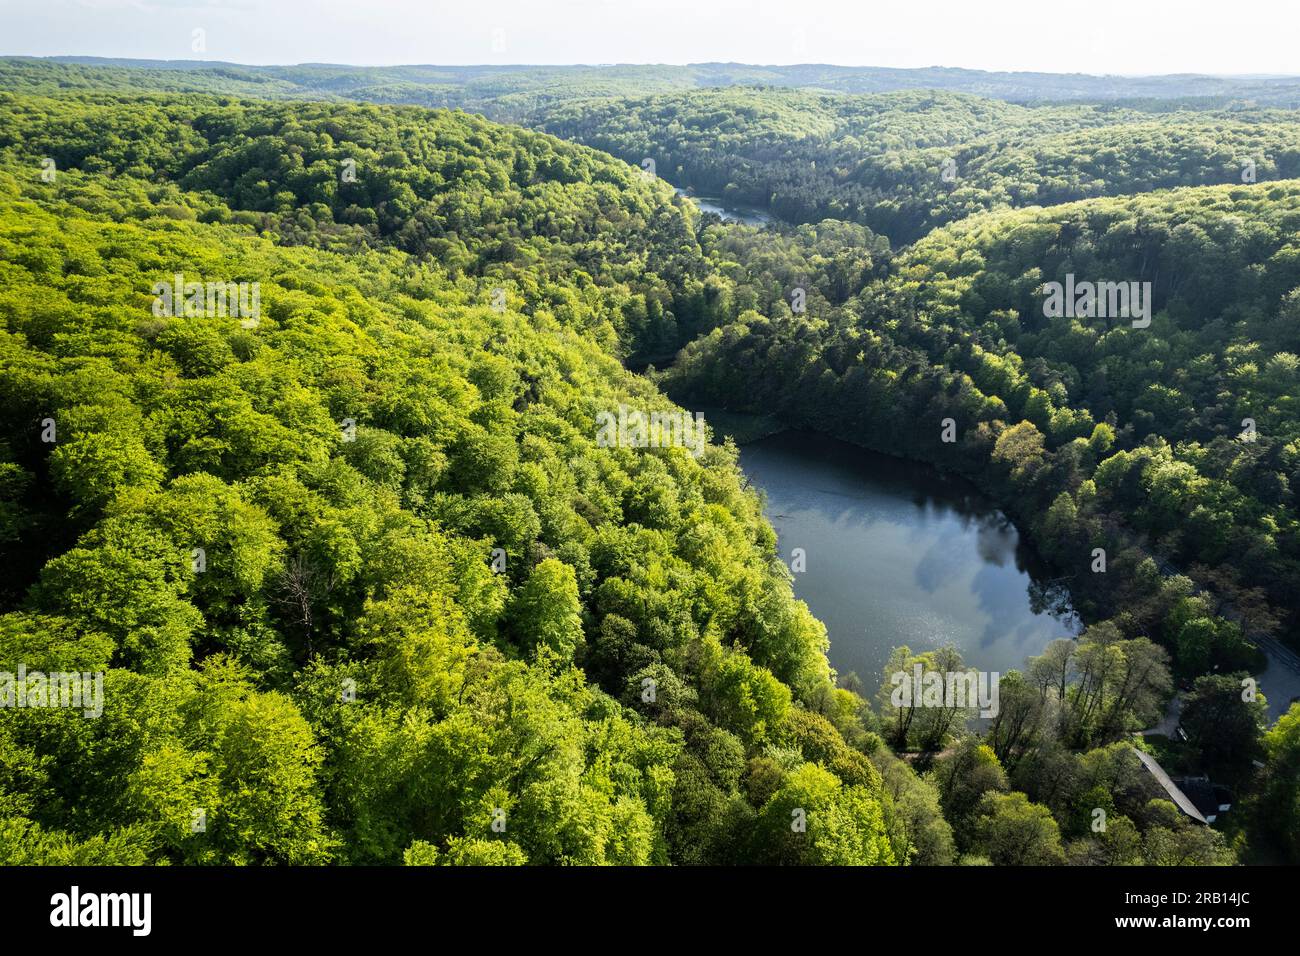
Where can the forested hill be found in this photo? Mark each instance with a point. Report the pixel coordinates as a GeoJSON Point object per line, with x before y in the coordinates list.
{"type": "Point", "coordinates": [452, 186]}
{"type": "Point", "coordinates": [342, 563]}
{"type": "Point", "coordinates": [594, 240]}
{"type": "Point", "coordinates": [508, 91]}
{"type": "Point", "coordinates": [900, 163]}
{"type": "Point", "coordinates": [903, 163]}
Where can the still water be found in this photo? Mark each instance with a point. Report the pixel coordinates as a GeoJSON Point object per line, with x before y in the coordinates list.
{"type": "Point", "coordinates": [898, 553]}
{"type": "Point", "coordinates": [729, 211]}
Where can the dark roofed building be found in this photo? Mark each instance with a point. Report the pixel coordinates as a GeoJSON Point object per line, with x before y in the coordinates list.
{"type": "Point", "coordinates": [1178, 796]}
{"type": "Point", "coordinates": [1211, 800]}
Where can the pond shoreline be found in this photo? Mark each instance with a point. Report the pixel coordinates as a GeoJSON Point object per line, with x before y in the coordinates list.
{"type": "Point", "coordinates": [746, 428]}
{"type": "Point", "coordinates": [890, 552]}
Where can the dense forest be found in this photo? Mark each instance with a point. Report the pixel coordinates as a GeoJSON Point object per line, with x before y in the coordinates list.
{"type": "Point", "coordinates": [901, 155]}
{"type": "Point", "coordinates": [366, 587]}
{"type": "Point", "coordinates": [509, 91]}
{"type": "Point", "coordinates": [904, 163]}
{"type": "Point", "coordinates": [453, 560]}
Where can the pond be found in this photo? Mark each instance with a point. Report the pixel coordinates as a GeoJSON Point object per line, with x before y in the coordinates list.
{"type": "Point", "coordinates": [897, 553]}
{"type": "Point", "coordinates": [728, 210]}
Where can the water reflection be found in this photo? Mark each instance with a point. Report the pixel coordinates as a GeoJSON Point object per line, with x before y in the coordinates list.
{"type": "Point", "coordinates": [898, 553]}
{"type": "Point", "coordinates": [729, 211]}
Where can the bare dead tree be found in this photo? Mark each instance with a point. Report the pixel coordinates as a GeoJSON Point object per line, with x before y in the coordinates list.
{"type": "Point", "coordinates": [300, 586]}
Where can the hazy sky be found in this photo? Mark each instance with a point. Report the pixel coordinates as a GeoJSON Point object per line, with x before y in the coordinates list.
{"type": "Point", "coordinates": [1098, 36]}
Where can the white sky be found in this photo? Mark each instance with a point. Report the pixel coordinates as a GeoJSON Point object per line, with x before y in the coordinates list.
{"type": "Point", "coordinates": [1059, 36]}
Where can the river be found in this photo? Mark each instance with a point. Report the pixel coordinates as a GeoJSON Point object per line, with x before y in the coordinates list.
{"type": "Point", "coordinates": [898, 553]}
